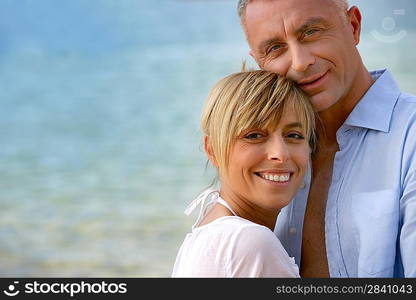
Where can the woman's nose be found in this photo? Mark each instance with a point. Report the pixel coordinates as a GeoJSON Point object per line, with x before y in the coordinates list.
{"type": "Point", "coordinates": [278, 150]}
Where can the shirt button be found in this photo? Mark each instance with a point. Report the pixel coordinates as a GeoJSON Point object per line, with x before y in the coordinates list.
{"type": "Point", "coordinates": [292, 230]}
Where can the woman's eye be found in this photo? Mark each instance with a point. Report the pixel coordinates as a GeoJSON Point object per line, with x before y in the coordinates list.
{"type": "Point", "coordinates": [253, 136]}
{"type": "Point", "coordinates": [296, 136]}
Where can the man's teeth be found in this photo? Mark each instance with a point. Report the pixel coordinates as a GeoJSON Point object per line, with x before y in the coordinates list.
{"type": "Point", "coordinates": [275, 177]}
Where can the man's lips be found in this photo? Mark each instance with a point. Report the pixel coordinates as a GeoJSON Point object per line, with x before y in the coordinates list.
{"type": "Point", "coordinates": [313, 81]}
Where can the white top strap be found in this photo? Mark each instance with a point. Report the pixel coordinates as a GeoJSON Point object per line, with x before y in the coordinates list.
{"type": "Point", "coordinates": [223, 202]}
{"type": "Point", "coordinates": [198, 200]}
{"type": "Point", "coordinates": [209, 194]}
{"type": "Point", "coordinates": [212, 196]}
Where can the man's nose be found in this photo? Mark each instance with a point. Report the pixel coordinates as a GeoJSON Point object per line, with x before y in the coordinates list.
{"type": "Point", "coordinates": [277, 150]}
{"type": "Point", "coordinates": [301, 57]}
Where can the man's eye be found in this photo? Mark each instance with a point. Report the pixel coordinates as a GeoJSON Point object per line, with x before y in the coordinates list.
{"type": "Point", "coordinates": [310, 32]}
{"type": "Point", "coordinates": [275, 48]}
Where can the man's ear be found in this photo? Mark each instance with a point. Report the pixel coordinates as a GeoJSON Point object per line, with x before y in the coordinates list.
{"type": "Point", "coordinates": [354, 19]}
{"type": "Point", "coordinates": [209, 152]}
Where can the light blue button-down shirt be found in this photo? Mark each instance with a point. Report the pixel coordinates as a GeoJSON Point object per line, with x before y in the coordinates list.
{"type": "Point", "coordinates": [370, 220]}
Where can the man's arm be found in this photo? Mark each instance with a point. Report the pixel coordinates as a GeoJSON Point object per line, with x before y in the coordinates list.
{"type": "Point", "coordinates": [408, 226]}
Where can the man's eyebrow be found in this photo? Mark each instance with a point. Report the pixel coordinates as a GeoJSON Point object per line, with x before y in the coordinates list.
{"type": "Point", "coordinates": [309, 23]}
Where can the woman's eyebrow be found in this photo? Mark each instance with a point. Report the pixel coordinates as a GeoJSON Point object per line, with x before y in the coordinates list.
{"type": "Point", "coordinates": [294, 124]}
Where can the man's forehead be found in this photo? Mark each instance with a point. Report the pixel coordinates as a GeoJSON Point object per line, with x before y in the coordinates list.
{"type": "Point", "coordinates": [285, 9]}
{"type": "Point", "coordinates": [282, 15]}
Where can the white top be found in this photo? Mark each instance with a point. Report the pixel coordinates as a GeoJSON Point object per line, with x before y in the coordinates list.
{"type": "Point", "coordinates": [231, 246]}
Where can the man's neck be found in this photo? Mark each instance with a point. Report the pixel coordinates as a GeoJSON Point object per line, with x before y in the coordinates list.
{"type": "Point", "coordinates": [333, 118]}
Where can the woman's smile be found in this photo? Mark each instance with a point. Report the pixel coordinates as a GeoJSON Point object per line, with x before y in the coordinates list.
{"type": "Point", "coordinates": [275, 177]}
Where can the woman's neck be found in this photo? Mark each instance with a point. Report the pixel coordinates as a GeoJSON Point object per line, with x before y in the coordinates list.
{"type": "Point", "coordinates": [245, 208]}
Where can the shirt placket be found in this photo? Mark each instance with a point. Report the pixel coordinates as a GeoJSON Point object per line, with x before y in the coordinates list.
{"type": "Point", "coordinates": [332, 236]}
{"type": "Point", "coordinates": [297, 213]}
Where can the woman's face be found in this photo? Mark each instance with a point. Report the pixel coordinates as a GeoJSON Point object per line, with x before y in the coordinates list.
{"type": "Point", "coordinates": [266, 166]}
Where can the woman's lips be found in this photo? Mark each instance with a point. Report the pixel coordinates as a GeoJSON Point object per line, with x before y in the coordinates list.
{"type": "Point", "coordinates": [280, 178]}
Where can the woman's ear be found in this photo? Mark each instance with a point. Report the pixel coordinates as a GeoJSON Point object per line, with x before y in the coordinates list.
{"type": "Point", "coordinates": [209, 152]}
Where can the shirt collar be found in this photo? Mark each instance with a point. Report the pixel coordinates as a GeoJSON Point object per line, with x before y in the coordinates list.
{"type": "Point", "coordinates": [375, 109]}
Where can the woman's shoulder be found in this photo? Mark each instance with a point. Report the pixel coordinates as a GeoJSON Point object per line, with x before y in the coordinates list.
{"type": "Point", "coordinates": [250, 236]}
{"type": "Point", "coordinates": [244, 248]}
{"type": "Point", "coordinates": [233, 225]}
{"type": "Point", "coordinates": [240, 233]}
{"type": "Point", "coordinates": [255, 251]}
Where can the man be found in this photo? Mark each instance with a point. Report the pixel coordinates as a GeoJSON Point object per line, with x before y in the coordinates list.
{"type": "Point", "coordinates": [356, 215]}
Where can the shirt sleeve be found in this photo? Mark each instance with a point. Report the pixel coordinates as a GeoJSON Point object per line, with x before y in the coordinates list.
{"type": "Point", "coordinates": [407, 233]}
{"type": "Point", "coordinates": [408, 228]}
{"type": "Point", "coordinates": [257, 252]}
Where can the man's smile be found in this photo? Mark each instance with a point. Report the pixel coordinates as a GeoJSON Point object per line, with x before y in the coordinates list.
{"type": "Point", "coordinates": [313, 82]}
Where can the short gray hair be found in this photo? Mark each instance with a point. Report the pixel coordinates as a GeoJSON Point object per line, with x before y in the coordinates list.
{"type": "Point", "coordinates": [242, 5]}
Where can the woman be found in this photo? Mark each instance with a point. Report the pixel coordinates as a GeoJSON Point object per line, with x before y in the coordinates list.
{"type": "Point", "coordinates": [258, 133]}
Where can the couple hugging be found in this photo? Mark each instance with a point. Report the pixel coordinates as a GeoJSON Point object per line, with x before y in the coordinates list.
{"type": "Point", "coordinates": [315, 156]}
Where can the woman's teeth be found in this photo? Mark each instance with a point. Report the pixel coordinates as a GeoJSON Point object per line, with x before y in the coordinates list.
{"type": "Point", "coordinates": [275, 177]}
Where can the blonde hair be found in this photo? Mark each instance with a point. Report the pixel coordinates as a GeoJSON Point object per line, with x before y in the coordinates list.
{"type": "Point", "coordinates": [251, 99]}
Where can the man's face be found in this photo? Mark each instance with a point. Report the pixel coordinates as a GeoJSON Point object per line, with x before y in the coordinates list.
{"type": "Point", "coordinates": [307, 41]}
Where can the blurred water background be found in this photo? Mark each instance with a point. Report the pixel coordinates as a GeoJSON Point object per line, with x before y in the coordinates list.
{"type": "Point", "coordinates": [100, 148]}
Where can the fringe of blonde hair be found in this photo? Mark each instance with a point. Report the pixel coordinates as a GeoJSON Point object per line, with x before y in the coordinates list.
{"type": "Point", "coordinates": [251, 99]}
